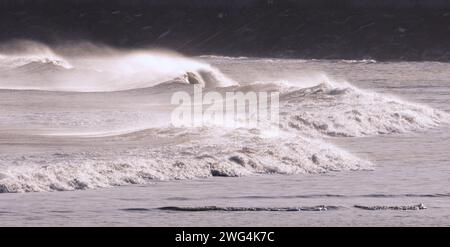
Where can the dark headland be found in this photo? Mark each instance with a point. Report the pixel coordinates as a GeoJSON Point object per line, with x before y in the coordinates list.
{"type": "Point", "coordinates": [412, 30]}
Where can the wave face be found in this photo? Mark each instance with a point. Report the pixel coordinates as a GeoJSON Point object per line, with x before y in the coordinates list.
{"type": "Point", "coordinates": [94, 121]}
{"type": "Point", "coordinates": [109, 70]}
{"type": "Point", "coordinates": [350, 112]}
{"type": "Point", "coordinates": [206, 153]}
{"type": "Point", "coordinates": [27, 53]}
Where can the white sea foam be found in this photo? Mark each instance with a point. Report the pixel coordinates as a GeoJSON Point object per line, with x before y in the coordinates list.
{"type": "Point", "coordinates": [106, 138]}
{"type": "Point", "coordinates": [337, 108]}
{"type": "Point", "coordinates": [207, 153]}
{"type": "Point", "coordinates": [359, 61]}
{"type": "Point", "coordinates": [348, 111]}
{"type": "Point", "coordinates": [223, 57]}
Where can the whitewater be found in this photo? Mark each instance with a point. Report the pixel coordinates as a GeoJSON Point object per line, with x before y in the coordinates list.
{"type": "Point", "coordinates": [359, 142]}
{"type": "Point", "coordinates": [100, 117]}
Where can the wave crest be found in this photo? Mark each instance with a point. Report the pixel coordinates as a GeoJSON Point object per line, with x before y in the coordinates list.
{"type": "Point", "coordinates": [237, 153]}
{"type": "Point", "coordinates": [42, 69]}
{"type": "Point", "coordinates": [349, 112]}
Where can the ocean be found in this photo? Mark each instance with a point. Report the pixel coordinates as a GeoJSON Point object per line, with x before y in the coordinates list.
{"type": "Point", "coordinates": [87, 140]}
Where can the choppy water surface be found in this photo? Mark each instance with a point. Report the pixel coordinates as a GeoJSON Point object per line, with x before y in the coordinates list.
{"type": "Point", "coordinates": [362, 143]}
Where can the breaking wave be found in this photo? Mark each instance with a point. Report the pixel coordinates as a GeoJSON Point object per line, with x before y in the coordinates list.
{"type": "Point", "coordinates": [207, 153]}
{"type": "Point", "coordinates": [135, 144]}
{"type": "Point", "coordinates": [350, 112]}
{"type": "Point", "coordinates": [114, 70]}
{"type": "Point", "coordinates": [22, 53]}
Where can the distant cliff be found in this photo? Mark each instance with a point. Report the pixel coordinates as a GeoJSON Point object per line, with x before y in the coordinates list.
{"type": "Point", "coordinates": [251, 28]}
{"type": "Point", "coordinates": [241, 3]}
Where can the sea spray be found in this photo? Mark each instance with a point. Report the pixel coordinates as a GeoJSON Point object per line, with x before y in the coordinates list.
{"type": "Point", "coordinates": [103, 69]}
{"type": "Point", "coordinates": [105, 121]}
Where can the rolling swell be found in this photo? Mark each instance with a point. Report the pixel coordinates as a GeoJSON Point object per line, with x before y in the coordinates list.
{"type": "Point", "coordinates": [257, 209]}
{"type": "Point", "coordinates": [413, 207]}
{"type": "Point", "coordinates": [149, 152]}
{"type": "Point", "coordinates": [291, 209]}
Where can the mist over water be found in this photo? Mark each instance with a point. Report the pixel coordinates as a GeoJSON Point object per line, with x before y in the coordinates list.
{"type": "Point", "coordinates": [89, 116]}
{"type": "Point", "coordinates": [91, 68]}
